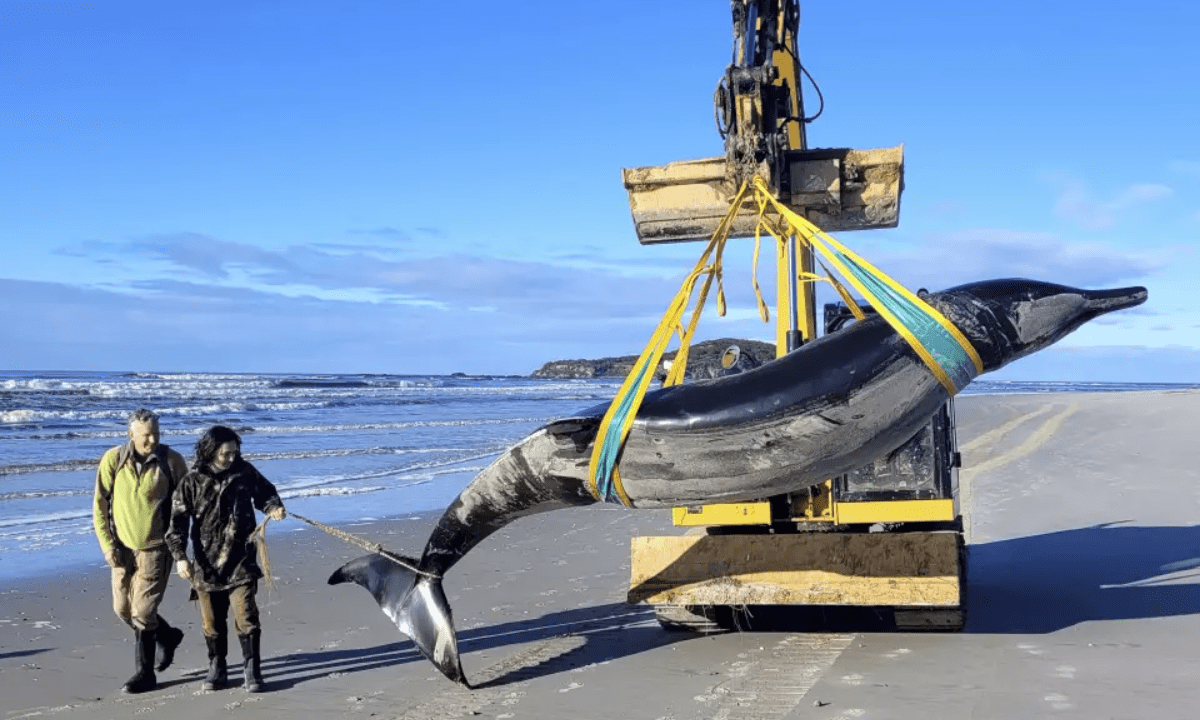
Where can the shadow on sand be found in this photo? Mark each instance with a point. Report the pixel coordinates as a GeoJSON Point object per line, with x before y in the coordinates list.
{"type": "Point", "coordinates": [1043, 583]}
{"type": "Point", "coordinates": [22, 653]}
{"type": "Point", "coordinates": [602, 632]}
{"type": "Point", "coordinates": [1035, 584]}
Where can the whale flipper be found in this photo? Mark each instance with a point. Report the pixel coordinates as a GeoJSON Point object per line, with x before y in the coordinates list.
{"type": "Point", "coordinates": [416, 603]}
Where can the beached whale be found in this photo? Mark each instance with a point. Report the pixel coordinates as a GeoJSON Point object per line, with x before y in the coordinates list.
{"type": "Point", "coordinates": [829, 407]}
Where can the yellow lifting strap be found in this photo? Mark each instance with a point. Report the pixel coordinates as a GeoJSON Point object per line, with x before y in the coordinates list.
{"type": "Point", "coordinates": [603, 479]}
{"type": "Point", "coordinates": [940, 345]}
{"type": "Point", "coordinates": [947, 353]}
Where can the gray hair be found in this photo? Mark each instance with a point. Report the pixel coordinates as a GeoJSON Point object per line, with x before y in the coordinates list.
{"type": "Point", "coordinates": [142, 415]}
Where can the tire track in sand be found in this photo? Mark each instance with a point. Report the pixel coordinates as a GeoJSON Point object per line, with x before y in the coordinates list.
{"type": "Point", "coordinates": [988, 440]}
{"type": "Point", "coordinates": [457, 701]}
{"type": "Point", "coordinates": [501, 686]}
{"type": "Point", "coordinates": [771, 682]}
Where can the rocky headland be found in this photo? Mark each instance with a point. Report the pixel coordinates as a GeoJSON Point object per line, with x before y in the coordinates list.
{"type": "Point", "coordinates": [704, 361]}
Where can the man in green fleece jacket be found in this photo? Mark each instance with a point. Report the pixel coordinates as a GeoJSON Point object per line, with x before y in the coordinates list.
{"type": "Point", "coordinates": [131, 512]}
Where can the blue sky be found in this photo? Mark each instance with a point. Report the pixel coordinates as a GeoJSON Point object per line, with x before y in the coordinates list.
{"type": "Point", "coordinates": [394, 187]}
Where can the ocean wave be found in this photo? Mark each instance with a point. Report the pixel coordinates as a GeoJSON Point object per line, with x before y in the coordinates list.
{"type": "Point", "coordinates": [320, 384]}
{"type": "Point", "coordinates": [121, 435]}
{"type": "Point", "coordinates": [198, 377]}
{"type": "Point", "coordinates": [89, 463]}
{"type": "Point", "coordinates": [400, 425]}
{"type": "Point", "coordinates": [17, 417]}
{"type": "Point", "coordinates": [347, 452]}
{"type": "Point", "coordinates": [382, 382]}
{"type": "Point", "coordinates": [169, 433]}
{"type": "Point", "coordinates": [36, 494]}
{"type": "Point", "coordinates": [49, 416]}
{"type": "Point", "coordinates": [438, 472]}
{"type": "Point", "coordinates": [428, 468]}
{"type": "Point", "coordinates": [324, 491]}
{"type": "Point", "coordinates": [258, 392]}
{"type": "Point", "coordinates": [13, 389]}
{"type": "Point", "coordinates": [166, 382]}
{"type": "Point", "coordinates": [26, 416]}
{"type": "Point", "coordinates": [44, 385]}
{"type": "Point", "coordinates": [40, 434]}
{"type": "Point", "coordinates": [412, 476]}
{"type": "Point", "coordinates": [62, 466]}
{"type": "Point", "coordinates": [29, 538]}
{"type": "Point", "coordinates": [518, 391]}
{"type": "Point", "coordinates": [45, 518]}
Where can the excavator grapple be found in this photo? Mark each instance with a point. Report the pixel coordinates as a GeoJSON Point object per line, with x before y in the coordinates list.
{"type": "Point", "coordinates": [838, 189]}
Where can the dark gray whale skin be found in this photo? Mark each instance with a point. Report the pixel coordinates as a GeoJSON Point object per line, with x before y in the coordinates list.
{"type": "Point", "coordinates": [827, 408]}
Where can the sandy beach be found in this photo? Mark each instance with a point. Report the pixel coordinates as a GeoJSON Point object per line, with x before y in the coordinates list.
{"type": "Point", "coordinates": [1081, 511]}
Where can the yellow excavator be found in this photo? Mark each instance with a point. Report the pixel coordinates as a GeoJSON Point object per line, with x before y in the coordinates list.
{"type": "Point", "coordinates": [888, 536]}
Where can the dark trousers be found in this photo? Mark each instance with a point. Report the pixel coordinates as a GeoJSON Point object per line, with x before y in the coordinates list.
{"type": "Point", "coordinates": [214, 609]}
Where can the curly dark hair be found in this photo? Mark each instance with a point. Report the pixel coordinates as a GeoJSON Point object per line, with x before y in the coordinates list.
{"type": "Point", "coordinates": [210, 442]}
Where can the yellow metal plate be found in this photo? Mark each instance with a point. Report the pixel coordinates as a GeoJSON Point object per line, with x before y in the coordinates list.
{"type": "Point", "coordinates": [843, 513]}
{"type": "Point", "coordinates": [893, 511]}
{"type": "Point", "coordinates": [915, 569]}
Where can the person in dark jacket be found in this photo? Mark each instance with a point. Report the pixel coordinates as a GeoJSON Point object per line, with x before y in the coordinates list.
{"type": "Point", "coordinates": [214, 505]}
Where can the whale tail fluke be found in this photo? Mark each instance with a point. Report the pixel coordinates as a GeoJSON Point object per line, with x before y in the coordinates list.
{"type": "Point", "coordinates": [416, 603]}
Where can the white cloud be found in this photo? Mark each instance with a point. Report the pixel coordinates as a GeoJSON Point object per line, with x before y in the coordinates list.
{"type": "Point", "coordinates": [1143, 192]}
{"type": "Point", "coordinates": [943, 260]}
{"type": "Point", "coordinates": [386, 232]}
{"type": "Point", "coordinates": [1077, 203]}
{"type": "Point", "coordinates": [206, 328]}
{"type": "Point", "coordinates": [576, 287]}
{"type": "Point", "coordinates": [362, 297]}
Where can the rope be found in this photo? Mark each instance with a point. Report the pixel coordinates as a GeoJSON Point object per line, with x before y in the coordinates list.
{"type": "Point", "coordinates": [259, 537]}
{"type": "Point", "coordinates": [367, 545]}
{"type": "Point", "coordinates": [940, 345]}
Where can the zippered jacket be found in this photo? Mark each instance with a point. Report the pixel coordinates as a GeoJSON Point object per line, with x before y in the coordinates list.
{"type": "Point", "coordinates": [132, 509]}
{"type": "Point", "coordinates": [216, 511]}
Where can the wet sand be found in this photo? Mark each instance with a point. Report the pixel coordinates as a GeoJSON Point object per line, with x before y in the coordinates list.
{"type": "Point", "coordinates": [1082, 518]}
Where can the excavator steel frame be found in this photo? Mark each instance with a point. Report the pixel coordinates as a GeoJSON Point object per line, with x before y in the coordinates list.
{"type": "Point", "coordinates": [816, 547]}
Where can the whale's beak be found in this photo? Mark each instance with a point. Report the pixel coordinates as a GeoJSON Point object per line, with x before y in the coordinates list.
{"type": "Point", "coordinates": [1104, 301]}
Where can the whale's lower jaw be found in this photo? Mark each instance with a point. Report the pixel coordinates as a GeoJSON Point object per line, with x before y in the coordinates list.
{"type": "Point", "coordinates": [784, 454]}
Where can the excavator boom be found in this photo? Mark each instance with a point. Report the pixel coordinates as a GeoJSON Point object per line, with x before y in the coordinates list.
{"type": "Point", "coordinates": [760, 117]}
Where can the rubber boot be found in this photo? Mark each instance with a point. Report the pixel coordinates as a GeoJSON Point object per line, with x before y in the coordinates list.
{"type": "Point", "coordinates": [218, 672]}
{"type": "Point", "coordinates": [168, 639]}
{"type": "Point", "coordinates": [253, 670]}
{"type": "Point", "coordinates": [143, 680]}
